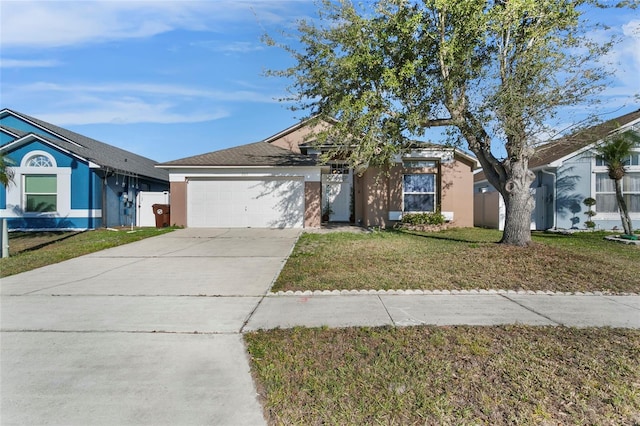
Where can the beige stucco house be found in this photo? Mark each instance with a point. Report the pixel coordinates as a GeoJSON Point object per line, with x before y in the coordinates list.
{"type": "Point", "coordinates": [279, 182]}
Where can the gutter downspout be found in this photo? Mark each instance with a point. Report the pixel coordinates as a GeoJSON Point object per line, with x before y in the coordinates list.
{"type": "Point", "coordinates": [555, 193]}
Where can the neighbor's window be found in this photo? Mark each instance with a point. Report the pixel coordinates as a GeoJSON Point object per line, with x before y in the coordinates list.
{"type": "Point", "coordinates": [419, 191]}
{"type": "Point", "coordinates": [606, 193]}
{"type": "Point", "coordinates": [632, 160]}
{"type": "Point", "coordinates": [419, 164]}
{"type": "Point", "coordinates": [631, 191]}
{"type": "Point", "coordinates": [40, 193]}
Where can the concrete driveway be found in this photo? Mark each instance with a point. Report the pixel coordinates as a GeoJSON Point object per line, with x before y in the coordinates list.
{"type": "Point", "coordinates": [147, 333]}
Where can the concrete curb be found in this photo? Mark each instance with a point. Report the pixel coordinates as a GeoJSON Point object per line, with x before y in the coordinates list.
{"type": "Point", "coordinates": [618, 239]}
{"type": "Point", "coordinates": [439, 292]}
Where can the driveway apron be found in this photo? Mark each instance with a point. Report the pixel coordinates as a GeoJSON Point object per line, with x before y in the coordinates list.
{"type": "Point", "coordinates": [146, 333]}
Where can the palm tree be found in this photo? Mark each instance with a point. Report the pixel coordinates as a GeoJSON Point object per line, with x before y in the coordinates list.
{"type": "Point", "coordinates": [614, 152]}
{"type": "Point", "coordinates": [6, 172]}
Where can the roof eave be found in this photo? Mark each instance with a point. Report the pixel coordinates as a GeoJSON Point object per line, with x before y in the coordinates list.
{"type": "Point", "coordinates": [18, 115]}
{"type": "Point", "coordinates": [185, 166]}
{"type": "Point", "coordinates": [455, 151]}
{"type": "Point", "coordinates": [34, 136]}
{"type": "Point", "coordinates": [560, 161]}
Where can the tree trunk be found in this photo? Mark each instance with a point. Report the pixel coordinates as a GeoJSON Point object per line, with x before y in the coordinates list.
{"type": "Point", "coordinates": [518, 204]}
{"type": "Point", "coordinates": [622, 206]}
{"type": "Point", "coordinates": [517, 223]}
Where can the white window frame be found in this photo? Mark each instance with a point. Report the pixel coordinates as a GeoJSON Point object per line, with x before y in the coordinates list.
{"type": "Point", "coordinates": [43, 161]}
{"type": "Point", "coordinates": [419, 163]}
{"type": "Point", "coordinates": [434, 193]}
{"type": "Point", "coordinates": [26, 194]}
{"type": "Point", "coordinates": [603, 169]}
{"type": "Point", "coordinates": [31, 155]}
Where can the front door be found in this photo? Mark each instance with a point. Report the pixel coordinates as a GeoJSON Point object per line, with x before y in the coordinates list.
{"type": "Point", "coordinates": [337, 191]}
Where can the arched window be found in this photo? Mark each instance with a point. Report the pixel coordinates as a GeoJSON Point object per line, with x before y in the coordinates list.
{"type": "Point", "coordinates": [39, 182]}
{"type": "Point", "coordinates": [39, 161]}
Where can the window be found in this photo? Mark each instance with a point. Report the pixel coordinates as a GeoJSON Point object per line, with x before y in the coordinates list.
{"type": "Point", "coordinates": [418, 164]}
{"type": "Point", "coordinates": [339, 169]}
{"type": "Point", "coordinates": [419, 191]}
{"type": "Point", "coordinates": [632, 160]}
{"type": "Point", "coordinates": [631, 191]}
{"type": "Point", "coordinates": [40, 193]}
{"type": "Point", "coordinates": [39, 161]}
{"type": "Point", "coordinates": [606, 193]}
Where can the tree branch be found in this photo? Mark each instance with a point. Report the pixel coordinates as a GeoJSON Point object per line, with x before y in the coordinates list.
{"type": "Point", "coordinates": [438, 122]}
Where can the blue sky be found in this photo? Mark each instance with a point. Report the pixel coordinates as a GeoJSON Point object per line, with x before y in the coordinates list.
{"type": "Point", "coordinates": [171, 79]}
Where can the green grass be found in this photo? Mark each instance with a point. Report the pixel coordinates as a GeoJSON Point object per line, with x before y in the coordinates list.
{"type": "Point", "coordinates": [56, 247]}
{"type": "Point", "coordinates": [448, 375]}
{"type": "Point", "coordinates": [460, 259]}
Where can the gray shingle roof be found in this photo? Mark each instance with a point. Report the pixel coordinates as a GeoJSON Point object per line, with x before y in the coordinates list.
{"type": "Point", "coordinates": [253, 154]}
{"type": "Point", "coordinates": [105, 155]}
{"type": "Point", "coordinates": [560, 148]}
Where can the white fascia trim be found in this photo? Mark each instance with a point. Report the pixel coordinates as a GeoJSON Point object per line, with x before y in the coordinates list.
{"type": "Point", "coordinates": [469, 157]}
{"type": "Point", "coordinates": [310, 174]}
{"type": "Point", "coordinates": [16, 115]}
{"type": "Point", "coordinates": [291, 129]}
{"type": "Point", "coordinates": [9, 132]}
{"type": "Point", "coordinates": [560, 161]}
{"type": "Point", "coordinates": [31, 136]}
{"type": "Point", "coordinates": [232, 167]}
{"type": "Point", "coordinates": [286, 131]}
{"type": "Point", "coordinates": [436, 153]}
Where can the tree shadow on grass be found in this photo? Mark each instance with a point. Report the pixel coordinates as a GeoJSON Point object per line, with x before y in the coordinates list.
{"type": "Point", "coordinates": [27, 246]}
{"type": "Point", "coordinates": [446, 237]}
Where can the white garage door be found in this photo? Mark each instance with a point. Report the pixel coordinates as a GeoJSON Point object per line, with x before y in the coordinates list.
{"type": "Point", "coordinates": [241, 203]}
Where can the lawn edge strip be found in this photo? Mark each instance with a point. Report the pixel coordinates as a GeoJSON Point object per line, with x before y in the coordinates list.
{"type": "Point", "coordinates": [441, 292]}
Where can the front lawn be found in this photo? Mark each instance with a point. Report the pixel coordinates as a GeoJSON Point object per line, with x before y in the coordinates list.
{"type": "Point", "coordinates": [30, 250]}
{"type": "Point", "coordinates": [459, 259]}
{"type": "Point", "coordinates": [448, 375]}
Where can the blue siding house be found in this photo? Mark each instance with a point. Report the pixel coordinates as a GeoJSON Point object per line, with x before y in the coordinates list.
{"type": "Point", "coordinates": [65, 181]}
{"type": "Point", "coordinates": [567, 171]}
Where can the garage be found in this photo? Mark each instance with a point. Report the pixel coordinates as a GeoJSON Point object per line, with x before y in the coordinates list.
{"type": "Point", "coordinates": [264, 202]}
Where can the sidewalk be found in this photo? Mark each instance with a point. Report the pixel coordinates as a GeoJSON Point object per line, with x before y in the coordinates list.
{"type": "Point", "coordinates": [151, 332]}
{"type": "Point", "coordinates": [495, 308]}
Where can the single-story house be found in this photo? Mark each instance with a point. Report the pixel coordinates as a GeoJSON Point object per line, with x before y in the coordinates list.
{"type": "Point", "coordinates": [63, 180]}
{"type": "Point", "coordinates": [568, 170]}
{"type": "Point", "coordinates": [279, 182]}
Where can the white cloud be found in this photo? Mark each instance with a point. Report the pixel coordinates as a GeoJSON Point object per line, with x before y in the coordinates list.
{"type": "Point", "coordinates": [625, 57]}
{"type": "Point", "coordinates": [28, 63]}
{"type": "Point", "coordinates": [66, 23]}
{"type": "Point", "coordinates": [118, 103]}
{"type": "Point", "coordinates": [127, 111]}
{"type": "Point", "coordinates": [232, 47]}
{"type": "Point", "coordinates": [629, 52]}
{"type": "Point", "coordinates": [140, 89]}
{"type": "Point", "coordinates": [49, 24]}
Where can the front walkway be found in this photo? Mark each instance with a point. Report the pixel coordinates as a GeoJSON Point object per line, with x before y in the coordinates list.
{"type": "Point", "coordinates": [405, 308]}
{"type": "Point", "coordinates": [328, 227]}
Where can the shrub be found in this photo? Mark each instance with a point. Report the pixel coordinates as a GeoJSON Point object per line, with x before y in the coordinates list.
{"type": "Point", "coordinates": [435, 218]}
{"type": "Point", "coordinates": [590, 202]}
